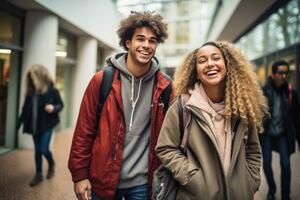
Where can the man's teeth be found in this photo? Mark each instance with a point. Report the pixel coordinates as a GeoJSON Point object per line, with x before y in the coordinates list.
{"type": "Point", "coordinates": [144, 53]}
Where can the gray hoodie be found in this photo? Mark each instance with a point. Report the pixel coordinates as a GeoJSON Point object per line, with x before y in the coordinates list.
{"type": "Point", "coordinates": [137, 100]}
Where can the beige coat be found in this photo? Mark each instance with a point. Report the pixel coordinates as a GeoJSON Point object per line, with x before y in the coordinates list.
{"type": "Point", "coordinates": [200, 173]}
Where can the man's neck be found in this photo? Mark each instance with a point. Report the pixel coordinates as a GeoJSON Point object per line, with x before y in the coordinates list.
{"type": "Point", "coordinates": [135, 68]}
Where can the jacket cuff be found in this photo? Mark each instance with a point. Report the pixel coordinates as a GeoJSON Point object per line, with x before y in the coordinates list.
{"type": "Point", "coordinates": [80, 174]}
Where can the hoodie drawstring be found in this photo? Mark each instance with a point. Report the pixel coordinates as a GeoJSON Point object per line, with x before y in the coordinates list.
{"type": "Point", "coordinates": [133, 102]}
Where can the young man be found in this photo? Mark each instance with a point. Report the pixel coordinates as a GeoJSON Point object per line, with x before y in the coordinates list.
{"type": "Point", "coordinates": [118, 160]}
{"type": "Point", "coordinates": [281, 128]}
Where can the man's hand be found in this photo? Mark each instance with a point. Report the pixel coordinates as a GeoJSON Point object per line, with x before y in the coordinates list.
{"type": "Point", "coordinates": [82, 190]}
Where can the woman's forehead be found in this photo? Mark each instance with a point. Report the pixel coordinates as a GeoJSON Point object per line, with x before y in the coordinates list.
{"type": "Point", "coordinates": [208, 49]}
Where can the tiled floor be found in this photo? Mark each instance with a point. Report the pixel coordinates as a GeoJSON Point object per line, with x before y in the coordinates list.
{"type": "Point", "coordinates": [17, 169]}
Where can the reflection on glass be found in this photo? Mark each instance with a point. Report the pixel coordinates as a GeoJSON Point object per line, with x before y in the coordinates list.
{"type": "Point", "coordinates": [4, 79]}
{"type": "Point", "coordinates": [280, 30]}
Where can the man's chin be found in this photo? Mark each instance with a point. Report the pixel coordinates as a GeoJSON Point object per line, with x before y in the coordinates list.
{"type": "Point", "coordinates": [144, 61]}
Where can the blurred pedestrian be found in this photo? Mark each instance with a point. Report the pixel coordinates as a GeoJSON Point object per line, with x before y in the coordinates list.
{"type": "Point", "coordinates": [117, 160]}
{"type": "Point", "coordinates": [40, 115]}
{"type": "Point", "coordinates": [226, 107]}
{"type": "Point", "coordinates": [282, 129]}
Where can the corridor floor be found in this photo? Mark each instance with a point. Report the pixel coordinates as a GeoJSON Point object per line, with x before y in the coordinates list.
{"type": "Point", "coordinates": [17, 169]}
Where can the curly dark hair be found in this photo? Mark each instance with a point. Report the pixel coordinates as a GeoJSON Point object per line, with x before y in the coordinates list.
{"type": "Point", "coordinates": [141, 19]}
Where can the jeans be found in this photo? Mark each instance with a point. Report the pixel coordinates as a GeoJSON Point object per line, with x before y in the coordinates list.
{"type": "Point", "coordinates": [284, 164]}
{"type": "Point", "coordinates": [41, 147]}
{"type": "Point", "coordinates": [133, 193]}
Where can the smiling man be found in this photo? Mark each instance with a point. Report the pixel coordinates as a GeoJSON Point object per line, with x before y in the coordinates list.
{"type": "Point", "coordinates": [117, 160]}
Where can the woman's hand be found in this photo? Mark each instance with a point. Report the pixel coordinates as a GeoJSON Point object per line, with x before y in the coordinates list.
{"type": "Point", "coordinates": [49, 108]}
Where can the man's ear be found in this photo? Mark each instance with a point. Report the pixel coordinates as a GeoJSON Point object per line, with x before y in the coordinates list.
{"type": "Point", "coordinates": [127, 44]}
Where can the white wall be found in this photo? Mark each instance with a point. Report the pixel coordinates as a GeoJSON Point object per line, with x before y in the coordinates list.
{"type": "Point", "coordinates": [99, 18]}
{"type": "Point", "coordinates": [84, 70]}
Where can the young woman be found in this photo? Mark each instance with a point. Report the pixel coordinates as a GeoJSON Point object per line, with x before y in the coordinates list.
{"type": "Point", "coordinates": [39, 116]}
{"type": "Point", "coordinates": [222, 92]}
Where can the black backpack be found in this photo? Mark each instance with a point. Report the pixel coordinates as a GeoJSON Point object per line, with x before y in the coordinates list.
{"type": "Point", "coordinates": [106, 84]}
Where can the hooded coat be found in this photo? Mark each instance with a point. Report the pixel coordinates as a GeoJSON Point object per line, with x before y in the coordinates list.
{"type": "Point", "coordinates": [201, 173]}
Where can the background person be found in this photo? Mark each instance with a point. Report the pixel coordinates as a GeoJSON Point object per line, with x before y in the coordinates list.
{"type": "Point", "coordinates": [40, 115]}
{"type": "Point", "coordinates": [282, 129]}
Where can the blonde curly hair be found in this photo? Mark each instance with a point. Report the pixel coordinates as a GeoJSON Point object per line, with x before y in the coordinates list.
{"type": "Point", "coordinates": [243, 96]}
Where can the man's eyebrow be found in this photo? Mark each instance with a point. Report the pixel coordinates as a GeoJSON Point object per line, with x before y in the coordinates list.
{"type": "Point", "coordinates": [152, 38]}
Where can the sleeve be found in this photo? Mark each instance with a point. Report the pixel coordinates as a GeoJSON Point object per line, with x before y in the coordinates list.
{"type": "Point", "coordinates": [58, 103]}
{"type": "Point", "coordinates": [85, 131]}
{"type": "Point", "coordinates": [253, 157]}
{"type": "Point", "coordinates": [22, 115]}
{"type": "Point", "coordinates": [167, 148]}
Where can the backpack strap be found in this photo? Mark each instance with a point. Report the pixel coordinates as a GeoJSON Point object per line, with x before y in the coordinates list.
{"type": "Point", "coordinates": [106, 84]}
{"type": "Point", "coordinates": [290, 94]}
{"type": "Point", "coordinates": [165, 96]}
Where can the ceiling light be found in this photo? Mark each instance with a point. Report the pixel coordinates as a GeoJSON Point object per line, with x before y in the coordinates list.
{"type": "Point", "coordinates": [61, 54]}
{"type": "Point", "coordinates": [5, 51]}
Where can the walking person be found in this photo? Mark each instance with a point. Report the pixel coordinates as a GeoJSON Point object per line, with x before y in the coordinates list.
{"type": "Point", "coordinates": [117, 160]}
{"type": "Point", "coordinates": [39, 116]}
{"type": "Point", "coordinates": [282, 129]}
{"type": "Point", "coordinates": [226, 107]}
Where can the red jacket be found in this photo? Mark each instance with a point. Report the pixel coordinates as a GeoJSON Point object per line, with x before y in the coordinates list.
{"type": "Point", "coordinates": [98, 157]}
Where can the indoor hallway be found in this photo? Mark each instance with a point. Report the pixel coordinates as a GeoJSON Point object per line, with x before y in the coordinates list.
{"type": "Point", "coordinates": [17, 169]}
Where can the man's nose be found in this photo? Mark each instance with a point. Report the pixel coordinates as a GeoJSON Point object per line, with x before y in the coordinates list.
{"type": "Point", "coordinates": [146, 44]}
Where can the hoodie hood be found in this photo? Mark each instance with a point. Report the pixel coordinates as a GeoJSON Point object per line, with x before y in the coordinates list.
{"type": "Point", "coordinates": [119, 61]}
{"type": "Point", "coordinates": [200, 100]}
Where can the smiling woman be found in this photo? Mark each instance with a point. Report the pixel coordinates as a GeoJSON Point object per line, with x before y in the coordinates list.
{"type": "Point", "coordinates": [226, 107]}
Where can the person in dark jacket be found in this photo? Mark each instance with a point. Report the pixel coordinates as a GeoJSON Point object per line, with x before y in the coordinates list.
{"type": "Point", "coordinates": [40, 115]}
{"type": "Point", "coordinates": [282, 128]}
{"type": "Point", "coordinates": [117, 160]}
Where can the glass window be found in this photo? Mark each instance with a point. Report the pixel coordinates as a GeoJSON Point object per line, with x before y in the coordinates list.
{"type": "Point", "coordinates": [182, 30]}
{"type": "Point", "coordinates": [66, 59]}
{"type": "Point", "coordinates": [280, 30]}
{"type": "Point", "coordinates": [66, 45]}
{"type": "Point", "coordinates": [4, 78]}
{"type": "Point", "coordinates": [10, 27]}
